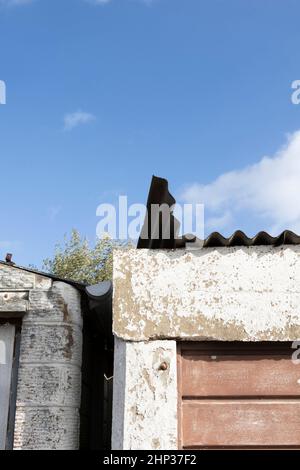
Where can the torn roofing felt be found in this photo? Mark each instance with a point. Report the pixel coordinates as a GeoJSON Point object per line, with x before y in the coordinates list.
{"type": "Point", "coordinates": [159, 194]}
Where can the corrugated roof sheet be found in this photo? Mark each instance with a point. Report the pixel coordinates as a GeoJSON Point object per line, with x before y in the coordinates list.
{"type": "Point", "coordinates": [239, 238]}
{"type": "Point", "coordinates": [159, 194]}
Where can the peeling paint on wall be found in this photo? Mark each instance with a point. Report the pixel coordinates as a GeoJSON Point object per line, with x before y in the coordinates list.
{"type": "Point", "coordinates": [145, 395]}
{"type": "Point", "coordinates": [237, 293]}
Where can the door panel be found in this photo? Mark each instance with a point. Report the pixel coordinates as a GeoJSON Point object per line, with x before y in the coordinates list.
{"type": "Point", "coordinates": [241, 423]}
{"type": "Point", "coordinates": [7, 335]}
{"type": "Point", "coordinates": [228, 375]}
{"type": "Point", "coordinates": [238, 395]}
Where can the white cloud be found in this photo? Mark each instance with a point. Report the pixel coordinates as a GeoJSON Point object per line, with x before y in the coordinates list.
{"type": "Point", "coordinates": [267, 192]}
{"type": "Point", "coordinates": [72, 120]}
{"type": "Point", "coordinates": [219, 221]}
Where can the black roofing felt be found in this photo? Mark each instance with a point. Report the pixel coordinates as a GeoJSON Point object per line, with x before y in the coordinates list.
{"type": "Point", "coordinates": [159, 194]}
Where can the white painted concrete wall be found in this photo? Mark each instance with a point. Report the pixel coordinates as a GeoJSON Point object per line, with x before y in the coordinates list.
{"type": "Point", "coordinates": [145, 395]}
{"type": "Point", "coordinates": [243, 294]}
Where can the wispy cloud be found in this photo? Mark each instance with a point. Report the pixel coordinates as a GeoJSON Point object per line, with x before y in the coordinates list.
{"type": "Point", "coordinates": [105, 2]}
{"type": "Point", "coordinates": [10, 3]}
{"type": "Point", "coordinates": [13, 3]}
{"type": "Point", "coordinates": [99, 2]}
{"type": "Point", "coordinates": [267, 191]}
{"type": "Point", "coordinates": [72, 120]}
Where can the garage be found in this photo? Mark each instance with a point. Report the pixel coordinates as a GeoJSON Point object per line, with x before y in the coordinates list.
{"type": "Point", "coordinates": [203, 356]}
{"type": "Point", "coordinates": [238, 395]}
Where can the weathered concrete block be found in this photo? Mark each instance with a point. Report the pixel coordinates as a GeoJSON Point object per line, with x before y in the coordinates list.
{"type": "Point", "coordinates": [50, 343]}
{"type": "Point", "coordinates": [49, 379]}
{"type": "Point", "coordinates": [14, 301]}
{"type": "Point", "coordinates": [46, 428]}
{"type": "Point", "coordinates": [61, 304]}
{"type": "Point", "coordinates": [49, 385]}
{"type": "Point", "coordinates": [15, 278]}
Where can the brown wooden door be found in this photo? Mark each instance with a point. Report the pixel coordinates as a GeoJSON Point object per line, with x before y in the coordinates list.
{"type": "Point", "coordinates": [238, 395]}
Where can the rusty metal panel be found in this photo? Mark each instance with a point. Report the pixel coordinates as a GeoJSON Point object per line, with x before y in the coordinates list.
{"type": "Point", "coordinates": [241, 423]}
{"type": "Point", "coordinates": [238, 395]}
{"type": "Point", "coordinates": [221, 375]}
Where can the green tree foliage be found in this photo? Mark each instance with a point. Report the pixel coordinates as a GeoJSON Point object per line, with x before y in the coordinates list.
{"type": "Point", "coordinates": [77, 260]}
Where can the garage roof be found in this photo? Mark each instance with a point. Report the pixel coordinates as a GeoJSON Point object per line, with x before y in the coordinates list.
{"type": "Point", "coordinates": [159, 194]}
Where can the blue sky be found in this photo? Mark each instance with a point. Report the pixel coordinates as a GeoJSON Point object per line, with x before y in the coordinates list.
{"type": "Point", "coordinates": [101, 95]}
